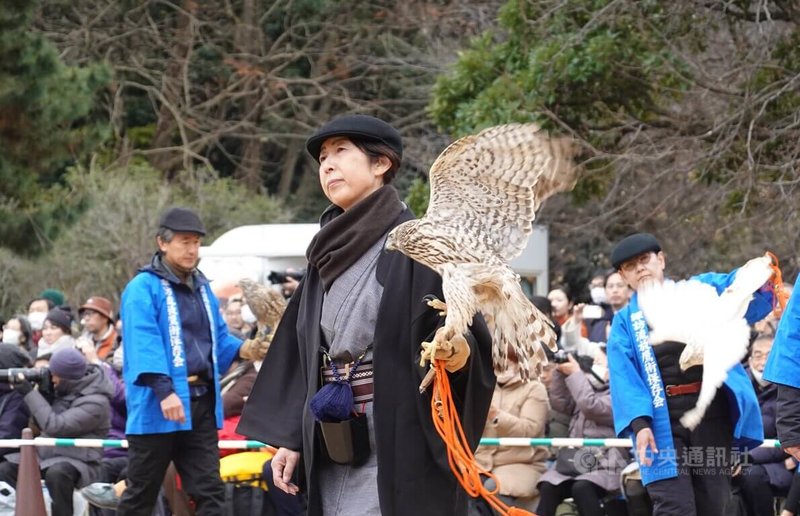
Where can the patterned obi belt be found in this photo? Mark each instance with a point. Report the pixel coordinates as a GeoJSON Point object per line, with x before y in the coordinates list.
{"type": "Point", "coordinates": [360, 379]}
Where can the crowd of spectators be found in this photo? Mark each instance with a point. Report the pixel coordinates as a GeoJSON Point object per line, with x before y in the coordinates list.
{"type": "Point", "coordinates": [86, 398]}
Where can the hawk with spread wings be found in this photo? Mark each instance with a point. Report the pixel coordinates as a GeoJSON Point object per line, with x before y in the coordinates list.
{"type": "Point", "coordinates": [484, 191]}
{"type": "Point", "coordinates": [267, 305]}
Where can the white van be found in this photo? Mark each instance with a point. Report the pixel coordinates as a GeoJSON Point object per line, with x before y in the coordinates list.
{"type": "Point", "coordinates": [254, 251]}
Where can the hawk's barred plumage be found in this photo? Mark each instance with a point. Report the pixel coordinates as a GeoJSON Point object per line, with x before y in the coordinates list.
{"type": "Point", "coordinates": [485, 189]}
{"type": "Point", "coordinates": [267, 305]}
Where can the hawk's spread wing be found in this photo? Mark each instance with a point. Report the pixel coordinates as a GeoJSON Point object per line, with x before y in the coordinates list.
{"type": "Point", "coordinates": [479, 217]}
{"type": "Point", "coordinates": [485, 187]}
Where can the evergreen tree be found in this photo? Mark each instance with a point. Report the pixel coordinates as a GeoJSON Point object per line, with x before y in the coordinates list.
{"type": "Point", "coordinates": [46, 123]}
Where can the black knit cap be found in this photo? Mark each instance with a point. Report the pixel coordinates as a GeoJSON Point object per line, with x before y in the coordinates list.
{"type": "Point", "coordinates": [12, 356]}
{"type": "Point", "coordinates": [632, 246]}
{"type": "Point", "coordinates": [182, 220]}
{"type": "Point", "coordinates": [61, 318]}
{"type": "Point", "coordinates": [363, 126]}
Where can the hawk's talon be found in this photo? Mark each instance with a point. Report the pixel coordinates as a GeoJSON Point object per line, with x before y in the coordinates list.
{"type": "Point", "coordinates": [438, 304]}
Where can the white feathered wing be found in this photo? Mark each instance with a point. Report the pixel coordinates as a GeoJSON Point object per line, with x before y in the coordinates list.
{"type": "Point", "coordinates": [712, 326]}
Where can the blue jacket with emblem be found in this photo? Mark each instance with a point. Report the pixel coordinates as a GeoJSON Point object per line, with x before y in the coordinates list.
{"type": "Point", "coordinates": [783, 369]}
{"type": "Point", "coordinates": [153, 341]}
{"type": "Point", "coordinates": [631, 395]}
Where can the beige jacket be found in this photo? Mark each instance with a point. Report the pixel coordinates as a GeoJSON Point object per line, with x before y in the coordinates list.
{"type": "Point", "coordinates": [523, 409]}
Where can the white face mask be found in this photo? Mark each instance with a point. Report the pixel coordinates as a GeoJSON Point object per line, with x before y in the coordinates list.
{"type": "Point", "coordinates": [37, 319]}
{"type": "Point", "coordinates": [247, 315]}
{"type": "Point", "coordinates": [11, 336]}
{"type": "Point", "coordinates": [116, 359]}
{"type": "Point", "coordinates": [597, 376]}
{"type": "Point", "coordinates": [759, 376]}
{"type": "Point", "coordinates": [598, 295]}
{"type": "Point", "coordinates": [511, 371]}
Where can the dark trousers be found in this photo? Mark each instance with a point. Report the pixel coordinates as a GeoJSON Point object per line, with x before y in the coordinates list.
{"type": "Point", "coordinates": [703, 484]}
{"type": "Point", "coordinates": [284, 503]}
{"type": "Point", "coordinates": [757, 492]}
{"type": "Point", "coordinates": [60, 479]}
{"type": "Point", "coordinates": [195, 454]}
{"type": "Point", "coordinates": [587, 496]}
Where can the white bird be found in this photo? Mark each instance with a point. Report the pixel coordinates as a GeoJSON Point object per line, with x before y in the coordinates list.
{"type": "Point", "coordinates": [712, 326]}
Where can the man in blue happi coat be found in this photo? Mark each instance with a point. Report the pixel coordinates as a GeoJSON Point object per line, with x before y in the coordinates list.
{"type": "Point", "coordinates": [783, 368]}
{"type": "Point", "coordinates": [176, 345]}
{"type": "Point", "coordinates": [685, 471]}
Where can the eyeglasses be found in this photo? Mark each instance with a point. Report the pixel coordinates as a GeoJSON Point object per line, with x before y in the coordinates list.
{"type": "Point", "coordinates": [642, 259]}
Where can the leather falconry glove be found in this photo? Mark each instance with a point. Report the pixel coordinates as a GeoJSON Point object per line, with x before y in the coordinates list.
{"type": "Point", "coordinates": [455, 352]}
{"type": "Point", "coordinates": [254, 349]}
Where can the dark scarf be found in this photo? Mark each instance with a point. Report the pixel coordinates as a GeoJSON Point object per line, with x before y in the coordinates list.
{"type": "Point", "coordinates": [346, 235]}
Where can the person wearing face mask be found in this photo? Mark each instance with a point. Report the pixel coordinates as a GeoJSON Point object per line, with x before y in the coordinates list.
{"type": "Point", "coordinates": [587, 475]}
{"type": "Point", "coordinates": [518, 409]}
{"type": "Point", "coordinates": [765, 472]}
{"type": "Point", "coordinates": [37, 313]}
{"type": "Point", "coordinates": [650, 394]}
{"type": "Point", "coordinates": [17, 331]}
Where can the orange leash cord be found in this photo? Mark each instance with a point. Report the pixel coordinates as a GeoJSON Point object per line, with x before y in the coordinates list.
{"type": "Point", "coordinates": [779, 295]}
{"type": "Point", "coordinates": [459, 454]}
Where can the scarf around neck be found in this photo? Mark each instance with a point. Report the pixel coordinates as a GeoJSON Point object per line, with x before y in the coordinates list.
{"type": "Point", "coordinates": [346, 235]}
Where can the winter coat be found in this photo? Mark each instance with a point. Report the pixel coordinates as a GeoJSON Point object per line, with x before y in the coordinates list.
{"type": "Point", "coordinates": [14, 415]}
{"type": "Point", "coordinates": [591, 418]}
{"type": "Point", "coordinates": [771, 459]}
{"type": "Point", "coordinates": [119, 411]}
{"type": "Point", "coordinates": [414, 476]}
{"type": "Point", "coordinates": [523, 409]}
{"type": "Point", "coordinates": [80, 410]}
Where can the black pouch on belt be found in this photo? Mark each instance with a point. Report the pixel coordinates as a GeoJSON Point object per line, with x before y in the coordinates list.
{"type": "Point", "coordinates": [346, 442]}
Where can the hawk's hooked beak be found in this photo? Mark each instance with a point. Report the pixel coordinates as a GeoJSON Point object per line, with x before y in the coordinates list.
{"type": "Point", "coordinates": [389, 245]}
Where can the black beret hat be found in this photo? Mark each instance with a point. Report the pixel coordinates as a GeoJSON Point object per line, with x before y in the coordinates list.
{"type": "Point", "coordinates": [632, 246]}
{"type": "Point", "coordinates": [182, 220]}
{"type": "Point", "coordinates": [363, 126]}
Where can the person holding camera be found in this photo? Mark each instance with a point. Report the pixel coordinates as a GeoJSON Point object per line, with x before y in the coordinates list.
{"type": "Point", "coordinates": [176, 346]}
{"type": "Point", "coordinates": [79, 409]}
{"type": "Point", "coordinates": [354, 328]}
{"type": "Point", "coordinates": [587, 475]}
{"type": "Point", "coordinates": [13, 411]}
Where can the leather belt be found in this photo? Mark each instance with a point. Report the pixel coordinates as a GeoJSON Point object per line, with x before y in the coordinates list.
{"type": "Point", "coordinates": [680, 390]}
{"type": "Point", "coordinates": [361, 381]}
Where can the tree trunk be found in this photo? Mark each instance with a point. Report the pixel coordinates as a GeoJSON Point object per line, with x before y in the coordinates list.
{"type": "Point", "coordinates": [171, 99]}
{"type": "Point", "coordinates": [248, 43]}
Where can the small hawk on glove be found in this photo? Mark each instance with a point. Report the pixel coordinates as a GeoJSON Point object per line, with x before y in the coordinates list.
{"type": "Point", "coordinates": [484, 190]}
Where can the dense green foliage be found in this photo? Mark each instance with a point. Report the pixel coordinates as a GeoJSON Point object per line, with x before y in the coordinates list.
{"type": "Point", "coordinates": [48, 120]}
{"type": "Point", "coordinates": [686, 114]}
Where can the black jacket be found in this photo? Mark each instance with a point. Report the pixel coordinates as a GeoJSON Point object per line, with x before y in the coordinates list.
{"type": "Point", "coordinates": [413, 473]}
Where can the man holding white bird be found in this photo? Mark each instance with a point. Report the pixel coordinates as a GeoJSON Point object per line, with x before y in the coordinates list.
{"type": "Point", "coordinates": [669, 351]}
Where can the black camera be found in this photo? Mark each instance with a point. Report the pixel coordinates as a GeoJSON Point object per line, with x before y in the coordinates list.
{"type": "Point", "coordinates": [38, 375]}
{"type": "Point", "coordinates": [276, 277]}
{"type": "Point", "coordinates": [561, 356]}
